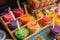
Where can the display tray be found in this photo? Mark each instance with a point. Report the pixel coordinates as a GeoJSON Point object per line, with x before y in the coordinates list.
{"type": "Point", "coordinates": [43, 34]}
{"type": "Point", "coordinates": [11, 32]}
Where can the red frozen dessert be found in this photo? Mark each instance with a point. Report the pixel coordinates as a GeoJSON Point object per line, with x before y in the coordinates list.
{"type": "Point", "coordinates": [45, 19]}
{"type": "Point", "coordinates": [18, 12]}
{"type": "Point", "coordinates": [7, 17]}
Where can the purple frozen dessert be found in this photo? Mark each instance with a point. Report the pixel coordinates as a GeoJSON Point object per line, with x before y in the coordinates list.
{"type": "Point", "coordinates": [55, 30]}
{"type": "Point", "coordinates": [13, 24]}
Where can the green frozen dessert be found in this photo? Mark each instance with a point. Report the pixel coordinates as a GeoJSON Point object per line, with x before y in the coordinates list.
{"type": "Point", "coordinates": [21, 33]}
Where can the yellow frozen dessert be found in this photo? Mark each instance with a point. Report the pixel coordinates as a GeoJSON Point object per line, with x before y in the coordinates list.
{"type": "Point", "coordinates": [26, 18]}
{"type": "Point", "coordinates": [54, 15]}
{"type": "Point", "coordinates": [32, 27]}
{"type": "Point", "coordinates": [57, 21]}
{"type": "Point", "coordinates": [40, 14]}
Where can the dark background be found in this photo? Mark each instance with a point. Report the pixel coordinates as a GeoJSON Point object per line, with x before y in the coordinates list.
{"type": "Point", "coordinates": [12, 3]}
{"type": "Point", "coordinates": [6, 3]}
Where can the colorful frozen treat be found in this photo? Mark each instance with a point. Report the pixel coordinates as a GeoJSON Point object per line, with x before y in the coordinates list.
{"type": "Point", "coordinates": [53, 15]}
{"type": "Point", "coordinates": [32, 27]}
{"type": "Point", "coordinates": [56, 18]}
{"type": "Point", "coordinates": [40, 14]}
{"type": "Point", "coordinates": [7, 17]}
{"type": "Point", "coordinates": [57, 21]}
{"type": "Point", "coordinates": [18, 12]}
{"type": "Point", "coordinates": [32, 19]}
{"type": "Point", "coordinates": [21, 33]}
{"type": "Point", "coordinates": [45, 20]}
{"type": "Point", "coordinates": [25, 19]}
{"type": "Point", "coordinates": [13, 24]}
{"type": "Point", "coordinates": [55, 30]}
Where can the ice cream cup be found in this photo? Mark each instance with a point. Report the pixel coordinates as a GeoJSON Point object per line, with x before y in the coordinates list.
{"type": "Point", "coordinates": [55, 30]}
{"type": "Point", "coordinates": [33, 27]}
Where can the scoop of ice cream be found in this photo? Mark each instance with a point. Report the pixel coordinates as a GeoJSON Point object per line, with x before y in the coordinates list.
{"type": "Point", "coordinates": [32, 27]}
{"type": "Point", "coordinates": [40, 14]}
{"type": "Point", "coordinates": [25, 18]}
{"type": "Point", "coordinates": [21, 33]}
{"type": "Point", "coordinates": [13, 24]}
{"type": "Point", "coordinates": [32, 18]}
{"type": "Point", "coordinates": [45, 19]}
{"type": "Point", "coordinates": [57, 21]}
{"type": "Point", "coordinates": [54, 15]}
{"type": "Point", "coordinates": [7, 17]}
{"type": "Point", "coordinates": [18, 12]}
